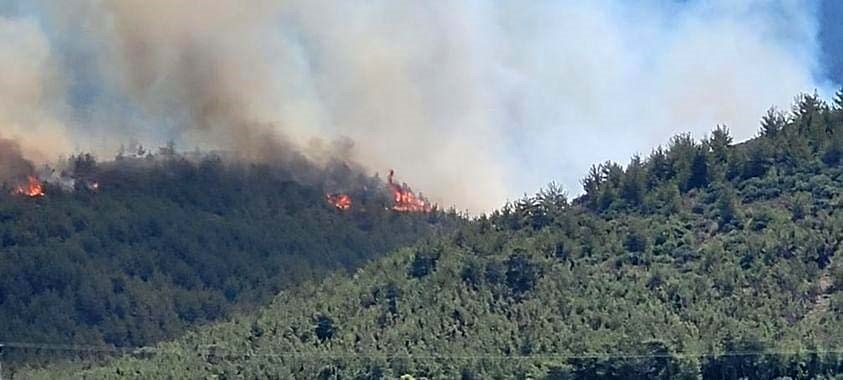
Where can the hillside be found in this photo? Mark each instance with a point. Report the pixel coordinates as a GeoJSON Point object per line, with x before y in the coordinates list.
{"type": "Point", "coordinates": [139, 249]}
{"type": "Point", "coordinates": [705, 259]}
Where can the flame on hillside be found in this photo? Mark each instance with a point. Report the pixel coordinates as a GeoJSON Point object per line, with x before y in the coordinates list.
{"type": "Point", "coordinates": [405, 199]}
{"type": "Point", "coordinates": [339, 200]}
{"type": "Point", "coordinates": [32, 188]}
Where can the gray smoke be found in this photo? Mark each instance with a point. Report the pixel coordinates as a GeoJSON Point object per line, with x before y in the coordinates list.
{"type": "Point", "coordinates": [13, 166]}
{"type": "Point", "coordinates": [472, 102]}
{"type": "Point", "coordinates": [31, 92]}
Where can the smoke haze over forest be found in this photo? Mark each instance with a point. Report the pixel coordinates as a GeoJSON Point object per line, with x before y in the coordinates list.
{"type": "Point", "coordinates": [473, 102]}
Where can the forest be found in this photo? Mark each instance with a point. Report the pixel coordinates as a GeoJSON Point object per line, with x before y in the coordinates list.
{"type": "Point", "coordinates": [705, 259]}
{"type": "Point", "coordinates": [143, 247]}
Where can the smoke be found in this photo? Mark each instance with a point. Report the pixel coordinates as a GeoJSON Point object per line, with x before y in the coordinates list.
{"type": "Point", "coordinates": [13, 167]}
{"type": "Point", "coordinates": [472, 102]}
{"type": "Point", "coordinates": [30, 93]}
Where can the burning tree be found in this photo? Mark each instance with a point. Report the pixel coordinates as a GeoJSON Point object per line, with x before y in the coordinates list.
{"type": "Point", "coordinates": [405, 199]}
{"type": "Point", "coordinates": [14, 168]}
{"type": "Point", "coordinates": [32, 188]}
{"type": "Point", "coordinates": [339, 200]}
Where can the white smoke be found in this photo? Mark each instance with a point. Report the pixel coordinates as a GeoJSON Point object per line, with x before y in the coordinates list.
{"type": "Point", "coordinates": [472, 102]}
{"type": "Point", "coordinates": [30, 90]}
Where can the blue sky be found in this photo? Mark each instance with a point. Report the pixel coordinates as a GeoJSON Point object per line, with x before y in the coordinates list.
{"type": "Point", "coordinates": [831, 37]}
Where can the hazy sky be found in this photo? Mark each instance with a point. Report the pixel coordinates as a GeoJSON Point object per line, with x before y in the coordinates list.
{"type": "Point", "coordinates": [473, 102]}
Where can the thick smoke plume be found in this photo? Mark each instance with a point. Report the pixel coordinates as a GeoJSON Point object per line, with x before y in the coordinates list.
{"type": "Point", "coordinates": [13, 166]}
{"type": "Point", "coordinates": [30, 93]}
{"type": "Point", "coordinates": [473, 102]}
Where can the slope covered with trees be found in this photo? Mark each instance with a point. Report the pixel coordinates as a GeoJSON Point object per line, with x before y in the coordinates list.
{"type": "Point", "coordinates": [705, 259]}
{"type": "Point", "coordinates": [162, 243]}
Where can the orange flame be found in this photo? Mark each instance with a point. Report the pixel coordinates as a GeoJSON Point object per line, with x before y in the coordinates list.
{"type": "Point", "coordinates": [32, 188]}
{"type": "Point", "coordinates": [339, 200]}
{"type": "Point", "coordinates": [405, 199]}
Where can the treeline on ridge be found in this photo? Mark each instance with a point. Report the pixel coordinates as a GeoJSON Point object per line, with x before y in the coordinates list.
{"type": "Point", "coordinates": [704, 260]}
{"type": "Point", "coordinates": [164, 243]}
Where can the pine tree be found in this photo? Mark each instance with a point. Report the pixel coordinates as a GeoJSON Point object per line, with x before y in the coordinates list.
{"type": "Point", "coordinates": [833, 153]}
{"type": "Point", "coordinates": [632, 186]}
{"type": "Point", "coordinates": [726, 205]}
{"type": "Point", "coordinates": [591, 184]}
{"type": "Point", "coordinates": [613, 173]}
{"type": "Point", "coordinates": [758, 159]}
{"type": "Point", "coordinates": [613, 176]}
{"type": "Point", "coordinates": [699, 171]}
{"type": "Point", "coordinates": [772, 122]}
{"type": "Point", "coordinates": [658, 168]}
{"type": "Point", "coordinates": [324, 328]}
{"type": "Point", "coordinates": [552, 198]}
{"type": "Point", "coordinates": [805, 105]}
{"type": "Point", "coordinates": [680, 148]}
{"type": "Point", "coordinates": [719, 143]}
{"type": "Point", "coordinates": [521, 274]}
{"type": "Point", "coordinates": [838, 100]}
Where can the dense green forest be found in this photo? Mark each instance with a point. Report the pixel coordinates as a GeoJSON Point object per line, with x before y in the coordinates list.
{"type": "Point", "coordinates": [706, 259]}
{"type": "Point", "coordinates": [162, 243]}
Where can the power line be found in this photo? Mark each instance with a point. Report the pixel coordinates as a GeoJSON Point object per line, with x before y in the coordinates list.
{"type": "Point", "coordinates": [66, 347]}
{"type": "Point", "coordinates": [214, 350]}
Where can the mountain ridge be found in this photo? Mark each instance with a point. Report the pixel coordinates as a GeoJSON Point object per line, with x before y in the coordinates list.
{"type": "Point", "coordinates": [704, 260]}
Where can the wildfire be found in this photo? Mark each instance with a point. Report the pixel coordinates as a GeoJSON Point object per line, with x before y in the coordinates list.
{"type": "Point", "coordinates": [32, 188]}
{"type": "Point", "coordinates": [339, 200]}
{"type": "Point", "coordinates": [405, 199]}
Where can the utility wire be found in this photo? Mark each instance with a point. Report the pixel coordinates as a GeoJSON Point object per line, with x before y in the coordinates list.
{"type": "Point", "coordinates": [214, 350]}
